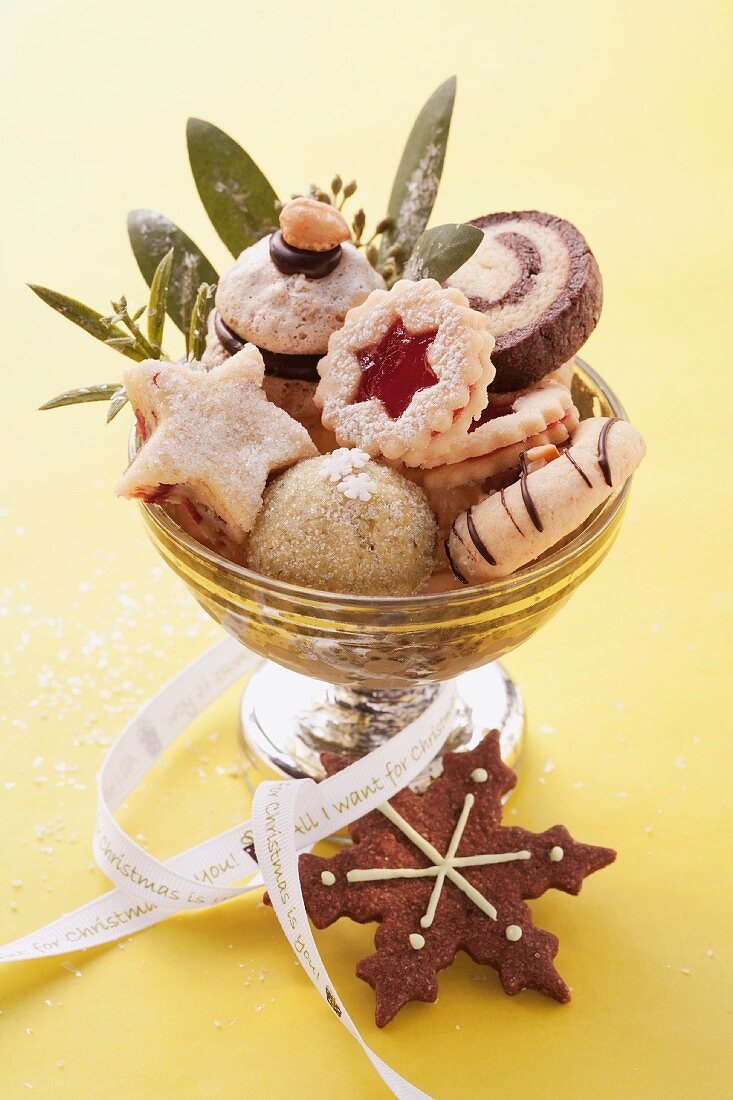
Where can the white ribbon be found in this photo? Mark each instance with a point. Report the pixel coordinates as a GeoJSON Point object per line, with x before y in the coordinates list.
{"type": "Point", "coordinates": [288, 816]}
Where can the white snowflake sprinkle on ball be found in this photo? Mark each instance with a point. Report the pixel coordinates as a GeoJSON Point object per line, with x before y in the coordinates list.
{"type": "Point", "coordinates": [343, 523]}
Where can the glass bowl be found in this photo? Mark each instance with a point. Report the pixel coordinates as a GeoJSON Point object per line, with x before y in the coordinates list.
{"type": "Point", "coordinates": [344, 672]}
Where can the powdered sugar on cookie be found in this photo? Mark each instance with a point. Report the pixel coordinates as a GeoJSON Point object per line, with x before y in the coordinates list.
{"type": "Point", "coordinates": [408, 364]}
{"type": "Point", "coordinates": [211, 439]}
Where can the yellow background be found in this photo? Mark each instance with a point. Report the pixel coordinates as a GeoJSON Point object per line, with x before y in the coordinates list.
{"type": "Point", "coordinates": [614, 115]}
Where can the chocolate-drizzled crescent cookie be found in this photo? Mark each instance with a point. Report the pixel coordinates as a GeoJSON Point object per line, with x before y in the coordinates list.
{"type": "Point", "coordinates": [538, 283]}
{"type": "Point", "coordinates": [510, 529]}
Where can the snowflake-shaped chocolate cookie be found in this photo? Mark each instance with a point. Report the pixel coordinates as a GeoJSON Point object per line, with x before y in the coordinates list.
{"type": "Point", "coordinates": [210, 438]}
{"type": "Point", "coordinates": [441, 874]}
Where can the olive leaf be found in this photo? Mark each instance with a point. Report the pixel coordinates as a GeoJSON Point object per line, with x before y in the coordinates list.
{"type": "Point", "coordinates": [152, 236]}
{"type": "Point", "coordinates": [418, 176]}
{"type": "Point", "coordinates": [117, 401]}
{"type": "Point", "coordinates": [442, 250]}
{"type": "Point", "coordinates": [196, 342]}
{"type": "Point", "coordinates": [158, 299]}
{"type": "Point", "coordinates": [91, 321]}
{"type": "Point", "coordinates": [239, 199]}
{"type": "Point", "coordinates": [82, 394]}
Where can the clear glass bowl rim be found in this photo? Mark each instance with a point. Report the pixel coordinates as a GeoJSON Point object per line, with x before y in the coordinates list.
{"type": "Point", "coordinates": [590, 533]}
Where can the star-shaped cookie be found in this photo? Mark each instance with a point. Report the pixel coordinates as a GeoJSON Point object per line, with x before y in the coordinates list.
{"type": "Point", "coordinates": [441, 874]}
{"type": "Point", "coordinates": [210, 438]}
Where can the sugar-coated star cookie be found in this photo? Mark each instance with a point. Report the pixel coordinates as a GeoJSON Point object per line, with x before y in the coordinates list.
{"type": "Point", "coordinates": [210, 439]}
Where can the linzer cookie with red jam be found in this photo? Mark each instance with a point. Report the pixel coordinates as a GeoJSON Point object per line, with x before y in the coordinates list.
{"type": "Point", "coordinates": [513, 527]}
{"type": "Point", "coordinates": [408, 365]}
{"type": "Point", "coordinates": [210, 440]}
{"type": "Point", "coordinates": [538, 283]}
{"type": "Point", "coordinates": [344, 523]}
{"type": "Point", "coordinates": [441, 874]}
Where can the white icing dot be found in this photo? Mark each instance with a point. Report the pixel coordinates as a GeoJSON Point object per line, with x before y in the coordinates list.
{"type": "Point", "coordinates": [513, 932]}
{"type": "Point", "coordinates": [556, 853]}
{"type": "Point", "coordinates": [417, 941]}
{"type": "Point", "coordinates": [479, 775]}
{"type": "Point", "coordinates": [328, 878]}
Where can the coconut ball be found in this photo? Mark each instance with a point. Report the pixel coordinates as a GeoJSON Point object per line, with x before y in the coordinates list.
{"type": "Point", "coordinates": [343, 523]}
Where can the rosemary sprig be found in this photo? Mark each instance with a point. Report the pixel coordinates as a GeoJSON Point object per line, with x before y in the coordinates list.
{"type": "Point", "coordinates": [121, 315]}
{"type": "Point", "coordinates": [196, 343]}
{"type": "Point", "coordinates": [102, 392]}
{"type": "Point", "coordinates": [158, 300]}
{"type": "Point", "coordinates": [117, 401]}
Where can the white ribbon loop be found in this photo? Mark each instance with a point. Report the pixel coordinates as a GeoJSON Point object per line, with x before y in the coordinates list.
{"type": "Point", "coordinates": [289, 816]}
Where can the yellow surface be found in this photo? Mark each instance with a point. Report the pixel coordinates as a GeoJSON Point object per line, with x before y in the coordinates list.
{"type": "Point", "coordinates": [615, 115]}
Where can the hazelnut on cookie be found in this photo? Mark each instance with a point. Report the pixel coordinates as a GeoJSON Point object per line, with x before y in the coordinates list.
{"type": "Point", "coordinates": [408, 365]}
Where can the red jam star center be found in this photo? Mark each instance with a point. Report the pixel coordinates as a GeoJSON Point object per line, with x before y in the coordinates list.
{"type": "Point", "coordinates": [396, 368]}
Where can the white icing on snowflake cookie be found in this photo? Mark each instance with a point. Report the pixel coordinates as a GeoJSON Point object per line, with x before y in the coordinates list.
{"type": "Point", "coordinates": [210, 438]}
{"type": "Point", "coordinates": [408, 365]}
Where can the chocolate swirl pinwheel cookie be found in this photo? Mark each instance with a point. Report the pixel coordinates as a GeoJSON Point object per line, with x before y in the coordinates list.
{"type": "Point", "coordinates": [538, 283]}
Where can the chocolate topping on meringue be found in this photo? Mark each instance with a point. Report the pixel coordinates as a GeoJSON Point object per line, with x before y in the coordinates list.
{"type": "Point", "coordinates": [300, 261]}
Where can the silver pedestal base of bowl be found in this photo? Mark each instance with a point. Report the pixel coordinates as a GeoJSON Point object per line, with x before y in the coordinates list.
{"type": "Point", "coordinates": [288, 720]}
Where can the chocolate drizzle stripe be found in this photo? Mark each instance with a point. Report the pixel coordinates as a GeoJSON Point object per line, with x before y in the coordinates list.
{"type": "Point", "coordinates": [603, 453]}
{"type": "Point", "coordinates": [529, 259]}
{"type": "Point", "coordinates": [228, 338]}
{"type": "Point", "coordinates": [281, 365]}
{"type": "Point", "coordinates": [526, 496]}
{"type": "Point", "coordinates": [302, 261]}
{"type": "Point", "coordinates": [454, 568]}
{"type": "Point", "coordinates": [582, 473]}
{"type": "Point", "coordinates": [477, 540]}
{"type": "Point", "coordinates": [511, 517]}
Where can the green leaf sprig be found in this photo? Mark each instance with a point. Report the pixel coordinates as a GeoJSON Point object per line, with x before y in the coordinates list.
{"type": "Point", "coordinates": [442, 250]}
{"type": "Point", "coordinates": [237, 196]}
{"type": "Point", "coordinates": [121, 330]}
{"type": "Point", "coordinates": [152, 237]}
{"type": "Point", "coordinates": [196, 342]}
{"type": "Point", "coordinates": [243, 207]}
{"type": "Point", "coordinates": [418, 176]}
